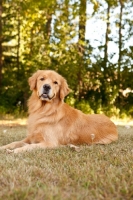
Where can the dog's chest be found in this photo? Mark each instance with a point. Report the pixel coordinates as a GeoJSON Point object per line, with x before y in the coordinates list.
{"type": "Point", "coordinates": [52, 132]}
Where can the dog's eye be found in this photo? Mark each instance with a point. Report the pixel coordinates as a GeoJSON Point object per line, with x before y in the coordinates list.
{"type": "Point", "coordinates": [42, 79]}
{"type": "Point", "coordinates": [55, 82]}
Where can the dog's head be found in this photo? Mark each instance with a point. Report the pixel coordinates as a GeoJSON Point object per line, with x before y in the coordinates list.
{"type": "Point", "coordinates": [49, 85]}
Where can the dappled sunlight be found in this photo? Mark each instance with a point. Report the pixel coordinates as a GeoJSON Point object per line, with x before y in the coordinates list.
{"type": "Point", "coordinates": [123, 122]}
{"type": "Point", "coordinates": [13, 122]}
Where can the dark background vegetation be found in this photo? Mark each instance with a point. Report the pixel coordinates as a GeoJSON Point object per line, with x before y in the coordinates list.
{"type": "Point", "coordinates": [51, 34]}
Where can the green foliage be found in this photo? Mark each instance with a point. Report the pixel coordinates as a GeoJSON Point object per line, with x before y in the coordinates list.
{"type": "Point", "coordinates": [84, 106]}
{"type": "Point", "coordinates": [51, 35]}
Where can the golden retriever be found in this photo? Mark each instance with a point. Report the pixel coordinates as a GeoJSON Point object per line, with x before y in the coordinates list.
{"type": "Point", "coordinates": [53, 123]}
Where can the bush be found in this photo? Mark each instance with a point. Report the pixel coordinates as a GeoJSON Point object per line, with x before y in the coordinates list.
{"type": "Point", "coordinates": [84, 107]}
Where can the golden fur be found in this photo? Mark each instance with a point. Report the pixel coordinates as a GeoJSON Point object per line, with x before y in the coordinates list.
{"type": "Point", "coordinates": [53, 123]}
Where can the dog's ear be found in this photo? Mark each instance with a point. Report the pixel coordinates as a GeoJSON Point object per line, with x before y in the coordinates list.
{"type": "Point", "coordinates": [33, 79]}
{"type": "Point", "coordinates": [64, 89]}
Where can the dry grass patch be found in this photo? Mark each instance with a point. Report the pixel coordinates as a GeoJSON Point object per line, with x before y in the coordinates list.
{"type": "Point", "coordinates": [95, 172]}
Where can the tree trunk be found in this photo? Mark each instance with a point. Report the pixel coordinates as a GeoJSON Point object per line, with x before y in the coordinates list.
{"type": "Point", "coordinates": [105, 60]}
{"type": "Point", "coordinates": [81, 44]}
{"type": "Point", "coordinates": [48, 26]}
{"type": "Point", "coordinates": [18, 45]}
{"type": "Point", "coordinates": [1, 63]}
{"type": "Point", "coordinates": [107, 39]}
{"type": "Point", "coordinates": [82, 24]}
{"type": "Point", "coordinates": [120, 50]}
{"type": "Point", "coordinates": [120, 43]}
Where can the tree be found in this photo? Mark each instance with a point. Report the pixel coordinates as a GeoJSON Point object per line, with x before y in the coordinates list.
{"type": "Point", "coordinates": [52, 35]}
{"type": "Point", "coordinates": [0, 43]}
{"type": "Point", "coordinates": [120, 46]}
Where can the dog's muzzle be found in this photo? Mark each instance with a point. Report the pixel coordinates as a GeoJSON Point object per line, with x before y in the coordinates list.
{"type": "Point", "coordinates": [46, 92]}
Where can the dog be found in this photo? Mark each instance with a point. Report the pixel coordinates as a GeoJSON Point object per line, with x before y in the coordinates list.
{"type": "Point", "coordinates": [53, 123]}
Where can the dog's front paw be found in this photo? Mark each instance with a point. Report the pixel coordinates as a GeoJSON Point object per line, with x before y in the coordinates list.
{"type": "Point", "coordinates": [2, 148]}
{"type": "Point", "coordinates": [9, 151]}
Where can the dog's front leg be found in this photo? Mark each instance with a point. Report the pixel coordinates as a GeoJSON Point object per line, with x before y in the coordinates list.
{"type": "Point", "coordinates": [30, 147]}
{"type": "Point", "coordinates": [14, 145]}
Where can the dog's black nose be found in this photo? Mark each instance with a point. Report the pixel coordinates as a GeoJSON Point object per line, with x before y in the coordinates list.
{"type": "Point", "coordinates": [46, 87]}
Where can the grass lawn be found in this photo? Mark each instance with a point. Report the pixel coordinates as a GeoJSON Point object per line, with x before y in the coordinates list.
{"type": "Point", "coordinates": [95, 172]}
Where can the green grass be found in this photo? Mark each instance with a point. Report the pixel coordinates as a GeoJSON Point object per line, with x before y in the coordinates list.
{"type": "Point", "coordinates": [94, 173]}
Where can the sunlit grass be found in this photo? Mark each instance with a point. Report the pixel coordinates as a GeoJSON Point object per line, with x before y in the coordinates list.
{"type": "Point", "coordinates": [94, 173]}
{"type": "Point", "coordinates": [12, 122]}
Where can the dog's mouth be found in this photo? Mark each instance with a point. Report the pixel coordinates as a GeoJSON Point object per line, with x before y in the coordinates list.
{"type": "Point", "coordinates": [46, 96]}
